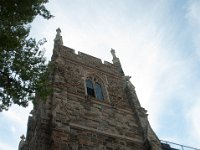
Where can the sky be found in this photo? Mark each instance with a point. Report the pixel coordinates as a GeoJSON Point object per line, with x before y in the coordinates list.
{"type": "Point", "coordinates": [158, 45]}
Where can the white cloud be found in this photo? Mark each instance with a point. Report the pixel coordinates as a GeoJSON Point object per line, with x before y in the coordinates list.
{"type": "Point", "coordinates": [192, 15]}
{"type": "Point", "coordinates": [6, 146]}
{"type": "Point", "coordinates": [15, 124]}
{"type": "Point", "coordinates": [17, 115]}
{"type": "Point", "coordinates": [194, 118]}
{"type": "Point", "coordinates": [13, 129]}
{"type": "Point", "coordinates": [193, 11]}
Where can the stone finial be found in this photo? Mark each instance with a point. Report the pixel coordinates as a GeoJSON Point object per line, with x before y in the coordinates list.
{"type": "Point", "coordinates": [22, 137]}
{"type": "Point", "coordinates": [58, 40]}
{"type": "Point", "coordinates": [127, 78]}
{"type": "Point", "coordinates": [115, 59]}
{"type": "Point", "coordinates": [113, 53]}
{"type": "Point", "coordinates": [58, 31]}
{"type": "Point", "coordinates": [116, 62]}
{"type": "Point", "coordinates": [22, 142]}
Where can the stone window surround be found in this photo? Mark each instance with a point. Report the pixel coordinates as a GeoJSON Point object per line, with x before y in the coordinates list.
{"type": "Point", "coordinates": [96, 78]}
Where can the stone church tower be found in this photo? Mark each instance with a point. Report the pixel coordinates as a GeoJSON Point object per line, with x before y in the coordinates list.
{"type": "Point", "coordinates": [93, 106]}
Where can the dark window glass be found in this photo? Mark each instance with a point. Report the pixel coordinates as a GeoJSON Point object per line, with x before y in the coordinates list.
{"type": "Point", "coordinates": [99, 93]}
{"type": "Point", "coordinates": [90, 88]}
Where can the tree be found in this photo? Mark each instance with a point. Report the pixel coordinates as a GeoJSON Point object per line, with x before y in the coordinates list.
{"type": "Point", "coordinates": [23, 71]}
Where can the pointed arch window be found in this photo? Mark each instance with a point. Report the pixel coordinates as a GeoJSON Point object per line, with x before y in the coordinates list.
{"type": "Point", "coordinates": [94, 88]}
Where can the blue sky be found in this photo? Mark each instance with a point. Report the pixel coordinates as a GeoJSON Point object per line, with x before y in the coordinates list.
{"type": "Point", "coordinates": [158, 45]}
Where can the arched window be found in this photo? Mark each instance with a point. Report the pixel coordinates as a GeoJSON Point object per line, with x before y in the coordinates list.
{"type": "Point", "coordinates": [94, 88]}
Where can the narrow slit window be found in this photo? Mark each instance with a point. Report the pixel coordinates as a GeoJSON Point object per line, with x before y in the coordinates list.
{"type": "Point", "coordinates": [90, 88]}
{"type": "Point", "coordinates": [99, 92]}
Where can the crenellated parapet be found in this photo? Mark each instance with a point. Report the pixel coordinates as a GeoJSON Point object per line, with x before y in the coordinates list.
{"type": "Point", "coordinates": [67, 54]}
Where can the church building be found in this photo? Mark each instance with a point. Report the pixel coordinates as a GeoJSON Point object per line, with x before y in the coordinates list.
{"type": "Point", "coordinates": [93, 106]}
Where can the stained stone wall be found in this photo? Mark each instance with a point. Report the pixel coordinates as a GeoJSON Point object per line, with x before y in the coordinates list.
{"type": "Point", "coordinates": [72, 120]}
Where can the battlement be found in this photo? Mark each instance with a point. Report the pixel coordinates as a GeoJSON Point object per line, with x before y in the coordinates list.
{"type": "Point", "coordinates": [89, 57]}
{"type": "Point", "coordinates": [85, 56]}
{"type": "Point", "coordinates": [68, 50]}
{"type": "Point", "coordinates": [70, 54]}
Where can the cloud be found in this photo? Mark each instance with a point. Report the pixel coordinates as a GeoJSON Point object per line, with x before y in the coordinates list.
{"type": "Point", "coordinates": [6, 146]}
{"type": "Point", "coordinates": [194, 118]}
{"type": "Point", "coordinates": [13, 129]}
{"type": "Point", "coordinates": [14, 125]}
{"type": "Point", "coordinates": [192, 16]}
{"type": "Point", "coordinates": [193, 11]}
{"type": "Point", "coordinates": [17, 115]}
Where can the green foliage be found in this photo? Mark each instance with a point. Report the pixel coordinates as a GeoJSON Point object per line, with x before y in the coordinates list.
{"type": "Point", "coordinates": [23, 71]}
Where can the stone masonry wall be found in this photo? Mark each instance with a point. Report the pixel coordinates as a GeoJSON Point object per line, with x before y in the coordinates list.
{"type": "Point", "coordinates": [83, 122]}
